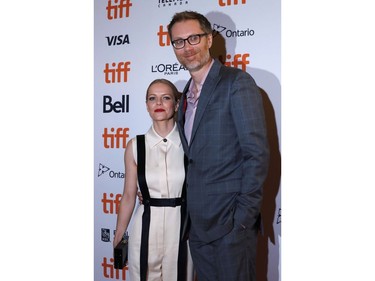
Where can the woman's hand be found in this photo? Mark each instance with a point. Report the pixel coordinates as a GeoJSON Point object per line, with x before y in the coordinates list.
{"type": "Point", "coordinates": [140, 198]}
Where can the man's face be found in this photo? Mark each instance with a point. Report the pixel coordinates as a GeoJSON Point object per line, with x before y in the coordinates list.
{"type": "Point", "coordinates": [193, 57]}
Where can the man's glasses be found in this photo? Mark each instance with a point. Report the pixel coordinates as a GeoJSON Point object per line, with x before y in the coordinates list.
{"type": "Point", "coordinates": [192, 39]}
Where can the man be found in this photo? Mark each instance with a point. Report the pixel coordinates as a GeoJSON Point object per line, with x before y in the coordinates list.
{"type": "Point", "coordinates": [222, 128]}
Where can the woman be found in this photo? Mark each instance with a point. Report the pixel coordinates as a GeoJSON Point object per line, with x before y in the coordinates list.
{"type": "Point", "coordinates": [157, 256]}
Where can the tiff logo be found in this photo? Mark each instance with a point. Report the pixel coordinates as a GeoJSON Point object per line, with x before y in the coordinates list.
{"type": "Point", "coordinates": [223, 3]}
{"type": "Point", "coordinates": [116, 139]}
{"type": "Point", "coordinates": [239, 61]}
{"type": "Point", "coordinates": [164, 39]}
{"type": "Point", "coordinates": [111, 204]}
{"type": "Point", "coordinates": [109, 270]}
{"type": "Point", "coordinates": [116, 8]}
{"type": "Point", "coordinates": [117, 73]}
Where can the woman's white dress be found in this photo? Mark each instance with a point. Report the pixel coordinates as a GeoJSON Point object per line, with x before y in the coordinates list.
{"type": "Point", "coordinates": [165, 175]}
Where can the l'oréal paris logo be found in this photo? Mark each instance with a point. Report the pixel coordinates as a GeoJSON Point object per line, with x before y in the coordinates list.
{"type": "Point", "coordinates": [168, 69]}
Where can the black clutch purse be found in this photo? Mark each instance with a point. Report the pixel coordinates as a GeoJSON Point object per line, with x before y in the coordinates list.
{"type": "Point", "coordinates": [120, 253]}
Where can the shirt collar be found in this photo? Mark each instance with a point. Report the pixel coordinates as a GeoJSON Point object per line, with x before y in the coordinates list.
{"type": "Point", "coordinates": [190, 94]}
{"type": "Point", "coordinates": [155, 139]}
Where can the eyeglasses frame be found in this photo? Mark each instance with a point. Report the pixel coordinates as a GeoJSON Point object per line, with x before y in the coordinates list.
{"type": "Point", "coordinates": [187, 39]}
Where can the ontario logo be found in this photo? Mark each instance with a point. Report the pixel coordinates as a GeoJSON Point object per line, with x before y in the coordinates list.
{"type": "Point", "coordinates": [104, 170]}
{"type": "Point", "coordinates": [219, 29]}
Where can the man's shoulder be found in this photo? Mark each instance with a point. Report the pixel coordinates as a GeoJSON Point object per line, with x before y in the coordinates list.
{"type": "Point", "coordinates": [231, 72]}
{"type": "Point", "coordinates": [222, 68]}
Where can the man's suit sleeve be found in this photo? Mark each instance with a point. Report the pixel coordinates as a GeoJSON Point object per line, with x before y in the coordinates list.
{"type": "Point", "coordinates": [248, 117]}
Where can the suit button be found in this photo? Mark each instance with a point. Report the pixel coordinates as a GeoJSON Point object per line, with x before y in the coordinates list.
{"type": "Point", "coordinates": [190, 161]}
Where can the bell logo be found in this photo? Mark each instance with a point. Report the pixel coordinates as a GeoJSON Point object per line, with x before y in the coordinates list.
{"type": "Point", "coordinates": [121, 106]}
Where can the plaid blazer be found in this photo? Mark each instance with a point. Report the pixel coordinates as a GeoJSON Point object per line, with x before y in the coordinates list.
{"type": "Point", "coordinates": [228, 153]}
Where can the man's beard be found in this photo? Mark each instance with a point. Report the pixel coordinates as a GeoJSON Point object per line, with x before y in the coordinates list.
{"type": "Point", "coordinates": [197, 65]}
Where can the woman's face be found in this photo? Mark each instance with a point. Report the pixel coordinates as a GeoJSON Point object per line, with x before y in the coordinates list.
{"type": "Point", "coordinates": [161, 104]}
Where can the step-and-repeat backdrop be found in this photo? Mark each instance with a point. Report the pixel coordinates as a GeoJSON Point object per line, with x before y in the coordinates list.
{"type": "Point", "coordinates": [132, 48]}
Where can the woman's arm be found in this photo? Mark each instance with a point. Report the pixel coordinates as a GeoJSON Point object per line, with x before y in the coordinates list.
{"type": "Point", "coordinates": [127, 203]}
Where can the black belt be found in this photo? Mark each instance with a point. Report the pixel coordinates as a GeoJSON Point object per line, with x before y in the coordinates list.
{"type": "Point", "coordinates": [157, 202]}
{"type": "Point", "coordinates": [164, 202]}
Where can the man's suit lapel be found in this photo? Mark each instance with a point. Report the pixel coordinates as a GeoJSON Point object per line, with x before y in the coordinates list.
{"type": "Point", "coordinates": [206, 94]}
{"type": "Point", "coordinates": [181, 116]}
